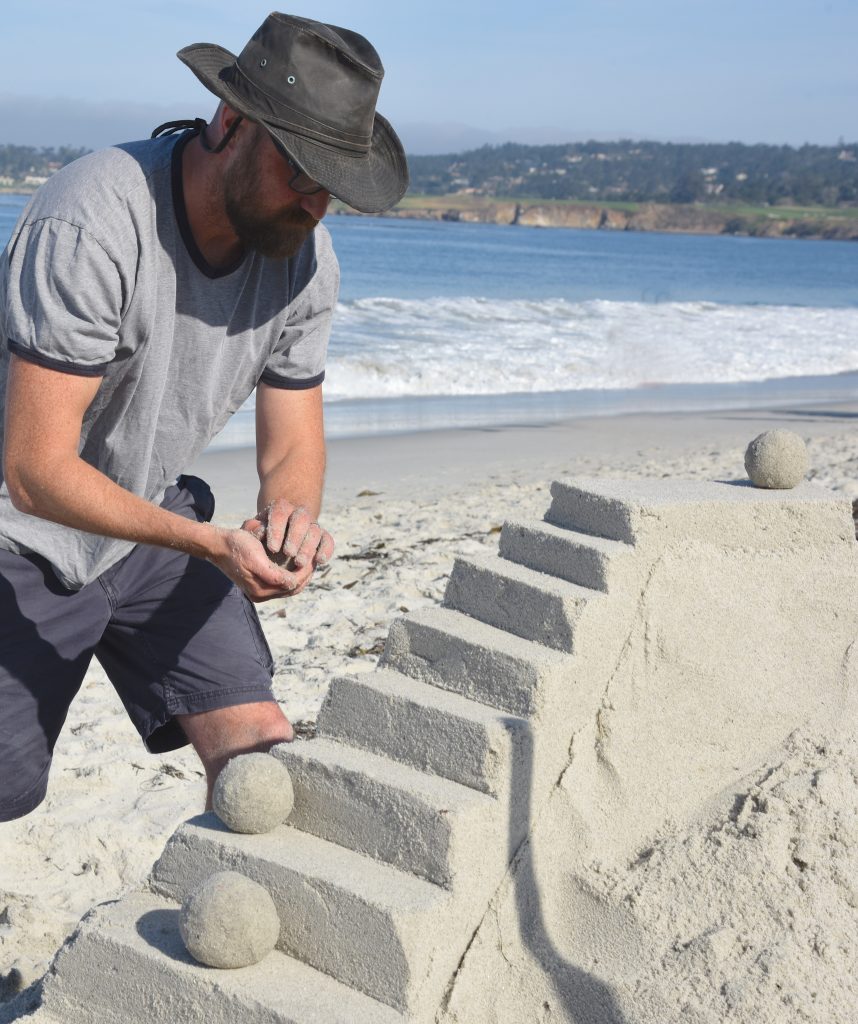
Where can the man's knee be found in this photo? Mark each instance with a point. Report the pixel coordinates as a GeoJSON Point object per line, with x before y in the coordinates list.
{"type": "Point", "coordinates": [223, 733]}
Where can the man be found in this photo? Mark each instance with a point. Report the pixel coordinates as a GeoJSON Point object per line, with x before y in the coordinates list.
{"type": "Point", "coordinates": [146, 291]}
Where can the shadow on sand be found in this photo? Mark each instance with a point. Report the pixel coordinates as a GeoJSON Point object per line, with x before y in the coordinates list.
{"type": "Point", "coordinates": [582, 998]}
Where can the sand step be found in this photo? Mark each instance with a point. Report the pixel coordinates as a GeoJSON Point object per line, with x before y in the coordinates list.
{"type": "Point", "coordinates": [430, 729]}
{"type": "Point", "coordinates": [593, 507]}
{"type": "Point", "coordinates": [392, 812]}
{"type": "Point", "coordinates": [363, 922]}
{"type": "Point", "coordinates": [453, 651]}
{"type": "Point", "coordinates": [656, 512]}
{"type": "Point", "coordinates": [127, 965]}
{"type": "Point", "coordinates": [511, 597]}
{"type": "Point", "coordinates": [572, 556]}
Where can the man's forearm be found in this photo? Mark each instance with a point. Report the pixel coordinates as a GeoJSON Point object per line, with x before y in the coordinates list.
{"type": "Point", "coordinates": [298, 479]}
{"type": "Point", "coordinates": [46, 477]}
{"type": "Point", "coordinates": [71, 492]}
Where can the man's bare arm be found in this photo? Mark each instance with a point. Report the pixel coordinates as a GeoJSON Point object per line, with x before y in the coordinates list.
{"type": "Point", "coordinates": [290, 459]}
{"type": "Point", "coordinates": [46, 478]}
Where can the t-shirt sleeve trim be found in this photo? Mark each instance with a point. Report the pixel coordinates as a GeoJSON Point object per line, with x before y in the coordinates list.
{"type": "Point", "coordinates": [292, 385]}
{"type": "Point", "coordinates": [77, 369]}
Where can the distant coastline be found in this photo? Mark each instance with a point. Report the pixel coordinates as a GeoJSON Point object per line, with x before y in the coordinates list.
{"type": "Point", "coordinates": [835, 223]}
{"type": "Point", "coordinates": [811, 222]}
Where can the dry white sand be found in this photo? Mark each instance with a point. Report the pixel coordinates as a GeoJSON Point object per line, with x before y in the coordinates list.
{"type": "Point", "coordinates": [111, 806]}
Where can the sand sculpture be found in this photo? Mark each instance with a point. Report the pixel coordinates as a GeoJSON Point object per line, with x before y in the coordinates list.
{"type": "Point", "coordinates": [777, 459]}
{"type": "Point", "coordinates": [253, 793]}
{"type": "Point", "coordinates": [229, 921]}
{"type": "Point", "coordinates": [468, 811]}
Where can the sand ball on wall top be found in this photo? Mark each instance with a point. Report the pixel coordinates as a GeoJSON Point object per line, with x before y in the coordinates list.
{"type": "Point", "coordinates": [777, 459]}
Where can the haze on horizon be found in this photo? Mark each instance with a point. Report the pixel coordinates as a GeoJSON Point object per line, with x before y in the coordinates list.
{"type": "Point", "coordinates": [93, 72]}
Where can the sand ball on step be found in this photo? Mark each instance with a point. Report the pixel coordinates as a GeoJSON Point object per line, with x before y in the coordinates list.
{"type": "Point", "coordinates": [229, 921]}
{"type": "Point", "coordinates": [253, 793]}
{"type": "Point", "coordinates": [777, 459]}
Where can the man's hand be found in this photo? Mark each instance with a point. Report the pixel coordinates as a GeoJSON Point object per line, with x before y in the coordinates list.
{"type": "Point", "coordinates": [241, 557]}
{"type": "Point", "coordinates": [293, 539]}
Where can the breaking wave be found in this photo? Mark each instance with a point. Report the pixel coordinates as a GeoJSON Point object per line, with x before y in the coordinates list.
{"type": "Point", "coordinates": [386, 347]}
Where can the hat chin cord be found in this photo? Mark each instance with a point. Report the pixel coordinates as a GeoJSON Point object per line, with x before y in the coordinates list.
{"type": "Point", "coordinates": [199, 125]}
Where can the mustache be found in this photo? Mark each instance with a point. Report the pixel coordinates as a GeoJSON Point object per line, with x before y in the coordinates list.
{"type": "Point", "coordinates": [296, 218]}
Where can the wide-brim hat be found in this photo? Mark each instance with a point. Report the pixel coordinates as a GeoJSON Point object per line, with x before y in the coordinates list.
{"type": "Point", "coordinates": [314, 88]}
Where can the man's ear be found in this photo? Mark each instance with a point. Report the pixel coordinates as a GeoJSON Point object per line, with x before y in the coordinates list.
{"type": "Point", "coordinates": [226, 114]}
{"type": "Point", "coordinates": [227, 123]}
{"type": "Point", "coordinates": [226, 117]}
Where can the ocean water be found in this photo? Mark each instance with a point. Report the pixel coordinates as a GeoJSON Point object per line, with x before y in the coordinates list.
{"type": "Point", "coordinates": [443, 324]}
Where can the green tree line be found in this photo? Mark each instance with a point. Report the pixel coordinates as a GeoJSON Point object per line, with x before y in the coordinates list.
{"type": "Point", "coordinates": [19, 161]}
{"type": "Point", "coordinates": [600, 171]}
{"type": "Point", "coordinates": [649, 172]}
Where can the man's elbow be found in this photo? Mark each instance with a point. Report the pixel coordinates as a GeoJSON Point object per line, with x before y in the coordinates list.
{"type": "Point", "coordinates": [20, 494]}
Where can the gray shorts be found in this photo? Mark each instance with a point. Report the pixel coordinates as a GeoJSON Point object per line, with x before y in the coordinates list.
{"type": "Point", "coordinates": [173, 634]}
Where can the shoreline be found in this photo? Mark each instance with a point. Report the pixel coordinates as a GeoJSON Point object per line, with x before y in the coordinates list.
{"type": "Point", "coordinates": [354, 418]}
{"type": "Point", "coordinates": [822, 224]}
{"type": "Point", "coordinates": [399, 466]}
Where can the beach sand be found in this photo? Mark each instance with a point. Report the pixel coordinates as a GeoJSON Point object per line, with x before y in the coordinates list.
{"type": "Point", "coordinates": [400, 507]}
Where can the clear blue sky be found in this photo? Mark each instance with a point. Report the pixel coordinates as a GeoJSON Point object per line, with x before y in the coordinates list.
{"type": "Point", "coordinates": [775, 71]}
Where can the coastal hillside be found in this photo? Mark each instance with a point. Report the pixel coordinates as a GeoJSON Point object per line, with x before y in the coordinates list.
{"type": "Point", "coordinates": [648, 172]}
{"type": "Point", "coordinates": [760, 191]}
{"type": "Point", "coordinates": [596, 172]}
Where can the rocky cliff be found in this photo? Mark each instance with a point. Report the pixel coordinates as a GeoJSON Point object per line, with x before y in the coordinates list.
{"type": "Point", "coordinates": [689, 219]}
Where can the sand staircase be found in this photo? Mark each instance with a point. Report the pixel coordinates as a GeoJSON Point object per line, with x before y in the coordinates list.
{"type": "Point", "coordinates": [424, 779]}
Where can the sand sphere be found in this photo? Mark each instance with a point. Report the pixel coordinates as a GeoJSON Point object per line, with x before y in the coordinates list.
{"type": "Point", "coordinates": [229, 921]}
{"type": "Point", "coordinates": [253, 793]}
{"type": "Point", "coordinates": [777, 459]}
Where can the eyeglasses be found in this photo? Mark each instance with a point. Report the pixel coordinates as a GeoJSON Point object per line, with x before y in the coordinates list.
{"type": "Point", "coordinates": [300, 181]}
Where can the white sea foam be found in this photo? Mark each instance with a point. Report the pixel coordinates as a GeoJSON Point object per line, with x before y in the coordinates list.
{"type": "Point", "coordinates": [386, 347]}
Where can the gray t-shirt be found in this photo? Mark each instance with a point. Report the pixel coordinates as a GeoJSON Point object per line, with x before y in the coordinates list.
{"type": "Point", "coordinates": [102, 278]}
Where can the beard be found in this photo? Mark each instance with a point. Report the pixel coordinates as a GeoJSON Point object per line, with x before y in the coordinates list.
{"type": "Point", "coordinates": [277, 235]}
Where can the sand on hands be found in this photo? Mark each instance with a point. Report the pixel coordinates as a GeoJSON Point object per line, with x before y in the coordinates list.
{"type": "Point", "coordinates": [111, 806]}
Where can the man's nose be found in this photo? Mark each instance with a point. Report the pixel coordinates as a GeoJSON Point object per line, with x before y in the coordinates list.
{"type": "Point", "coordinates": [316, 204]}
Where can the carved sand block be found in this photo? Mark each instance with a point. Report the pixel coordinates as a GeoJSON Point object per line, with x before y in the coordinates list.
{"type": "Point", "coordinates": [648, 640]}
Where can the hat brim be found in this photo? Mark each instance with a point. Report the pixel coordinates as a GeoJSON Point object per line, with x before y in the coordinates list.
{"type": "Point", "coordinates": [370, 182]}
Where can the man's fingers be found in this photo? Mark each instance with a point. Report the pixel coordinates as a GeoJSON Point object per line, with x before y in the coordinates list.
{"type": "Point", "coordinates": [325, 550]}
{"type": "Point", "coordinates": [291, 530]}
{"type": "Point", "coordinates": [295, 583]}
{"type": "Point", "coordinates": [271, 574]}
{"type": "Point", "coordinates": [300, 523]}
{"type": "Point", "coordinates": [258, 594]}
{"type": "Point", "coordinates": [256, 567]}
{"type": "Point", "coordinates": [254, 527]}
{"type": "Point", "coordinates": [309, 545]}
{"type": "Point", "coordinates": [276, 520]}
{"type": "Point", "coordinates": [301, 579]}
